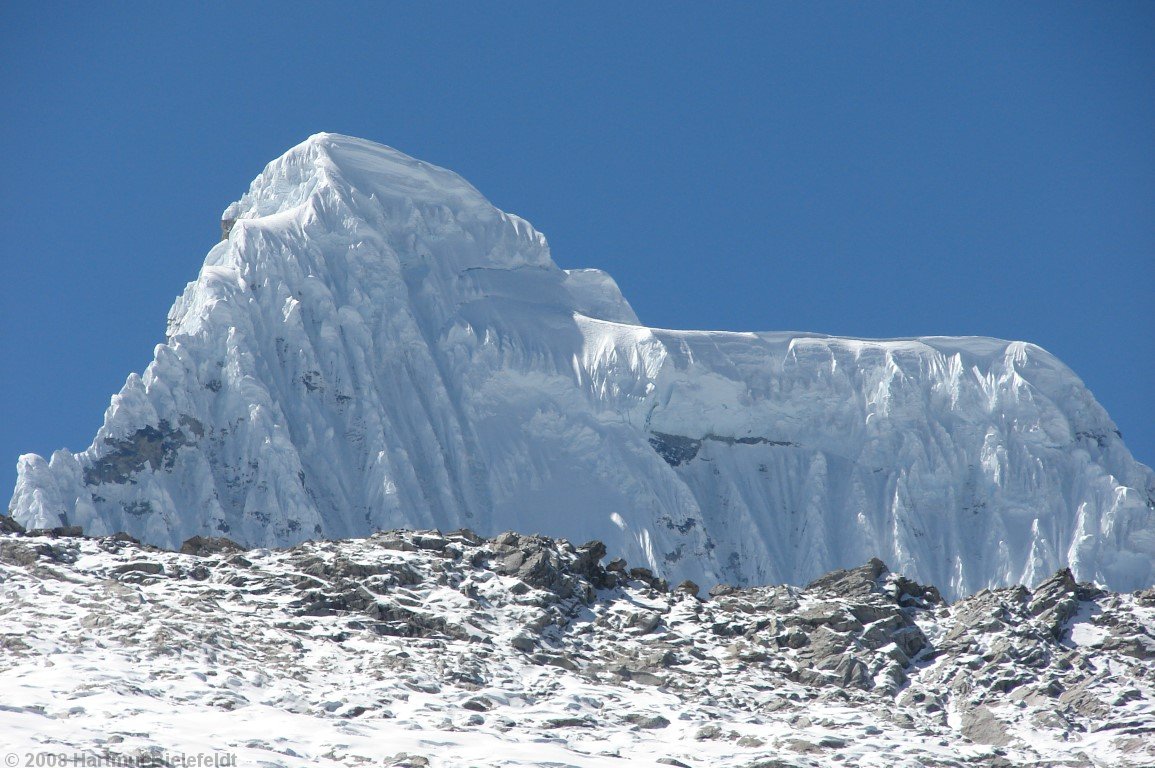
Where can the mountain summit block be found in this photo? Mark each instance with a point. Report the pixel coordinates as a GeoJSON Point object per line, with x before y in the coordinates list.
{"type": "Point", "coordinates": [373, 345]}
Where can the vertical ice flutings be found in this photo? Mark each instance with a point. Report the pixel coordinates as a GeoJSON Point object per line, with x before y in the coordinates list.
{"type": "Point", "coordinates": [374, 345]}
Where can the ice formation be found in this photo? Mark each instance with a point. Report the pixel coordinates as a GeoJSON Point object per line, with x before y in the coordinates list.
{"type": "Point", "coordinates": [374, 345]}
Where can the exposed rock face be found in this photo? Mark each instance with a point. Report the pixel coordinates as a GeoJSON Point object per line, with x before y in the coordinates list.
{"type": "Point", "coordinates": [152, 447]}
{"type": "Point", "coordinates": [374, 345]}
{"type": "Point", "coordinates": [456, 648]}
{"type": "Point", "coordinates": [9, 525]}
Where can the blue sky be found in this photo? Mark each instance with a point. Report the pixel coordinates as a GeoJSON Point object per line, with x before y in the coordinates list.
{"type": "Point", "coordinates": [863, 169]}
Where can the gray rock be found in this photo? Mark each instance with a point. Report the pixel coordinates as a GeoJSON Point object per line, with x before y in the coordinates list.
{"type": "Point", "coordinates": [829, 615]}
{"type": "Point", "coordinates": [18, 553]}
{"type": "Point", "coordinates": [588, 562]}
{"type": "Point", "coordinates": [825, 642]}
{"type": "Point", "coordinates": [208, 546]}
{"type": "Point", "coordinates": [909, 592]}
{"type": "Point", "coordinates": [555, 660]}
{"type": "Point", "coordinates": [144, 566]}
{"type": "Point", "coordinates": [617, 565]}
{"type": "Point", "coordinates": [881, 632]}
{"type": "Point", "coordinates": [510, 564]}
{"type": "Point", "coordinates": [1055, 601]}
{"type": "Point", "coordinates": [646, 576]}
{"type": "Point", "coordinates": [395, 542]}
{"type": "Point", "coordinates": [647, 721]}
{"type": "Point", "coordinates": [803, 746]}
{"type": "Point", "coordinates": [910, 640]}
{"type": "Point", "coordinates": [1136, 646]}
{"type": "Point", "coordinates": [748, 654]}
{"type": "Point", "coordinates": [875, 610]}
{"type": "Point", "coordinates": [708, 732]}
{"type": "Point", "coordinates": [981, 726]}
{"type": "Point", "coordinates": [429, 541]}
{"type": "Point", "coordinates": [794, 638]}
{"type": "Point", "coordinates": [118, 539]}
{"type": "Point", "coordinates": [345, 568]}
{"type": "Point", "coordinates": [523, 642]}
{"type": "Point", "coordinates": [640, 676]}
{"type": "Point", "coordinates": [853, 673]}
{"type": "Point", "coordinates": [645, 621]}
{"type": "Point", "coordinates": [859, 581]}
{"type": "Point", "coordinates": [478, 704]}
{"type": "Point", "coordinates": [664, 659]}
{"type": "Point", "coordinates": [569, 722]}
{"type": "Point", "coordinates": [1052, 591]}
{"type": "Point", "coordinates": [9, 525]}
{"type": "Point", "coordinates": [404, 760]}
{"type": "Point", "coordinates": [465, 536]}
{"type": "Point", "coordinates": [61, 531]}
{"type": "Point", "coordinates": [506, 540]}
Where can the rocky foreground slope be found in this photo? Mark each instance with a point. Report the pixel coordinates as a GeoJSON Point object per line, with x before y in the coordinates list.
{"type": "Point", "coordinates": [374, 345]}
{"type": "Point", "coordinates": [447, 649]}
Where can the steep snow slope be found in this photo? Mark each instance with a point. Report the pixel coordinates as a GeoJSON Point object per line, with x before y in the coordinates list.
{"type": "Point", "coordinates": [375, 345]}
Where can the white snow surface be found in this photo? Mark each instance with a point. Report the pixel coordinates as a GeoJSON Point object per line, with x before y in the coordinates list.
{"type": "Point", "coordinates": [115, 655]}
{"type": "Point", "coordinates": [376, 346]}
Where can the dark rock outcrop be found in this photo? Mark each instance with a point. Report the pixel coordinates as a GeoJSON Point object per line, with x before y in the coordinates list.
{"type": "Point", "coordinates": [210, 546]}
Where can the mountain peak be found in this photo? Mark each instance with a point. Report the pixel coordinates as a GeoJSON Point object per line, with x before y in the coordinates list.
{"type": "Point", "coordinates": [353, 165]}
{"type": "Point", "coordinates": [332, 182]}
{"type": "Point", "coordinates": [374, 345]}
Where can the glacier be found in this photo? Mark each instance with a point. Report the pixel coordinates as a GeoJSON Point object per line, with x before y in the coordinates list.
{"type": "Point", "coordinates": [373, 345]}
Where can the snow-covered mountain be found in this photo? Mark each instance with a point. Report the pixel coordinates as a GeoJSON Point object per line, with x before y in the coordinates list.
{"type": "Point", "coordinates": [374, 345]}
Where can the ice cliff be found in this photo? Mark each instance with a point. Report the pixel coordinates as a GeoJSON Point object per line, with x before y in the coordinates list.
{"type": "Point", "coordinates": [374, 345]}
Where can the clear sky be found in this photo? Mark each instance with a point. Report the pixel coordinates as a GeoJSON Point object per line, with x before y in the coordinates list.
{"type": "Point", "coordinates": [867, 169]}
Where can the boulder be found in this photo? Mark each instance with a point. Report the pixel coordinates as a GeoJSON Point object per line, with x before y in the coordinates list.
{"type": "Point", "coordinates": [982, 727]}
{"type": "Point", "coordinates": [9, 525]}
{"type": "Point", "coordinates": [478, 704]}
{"type": "Point", "coordinates": [858, 581]}
{"type": "Point", "coordinates": [209, 546]}
{"type": "Point", "coordinates": [61, 531]}
{"type": "Point", "coordinates": [144, 567]}
{"type": "Point", "coordinates": [647, 721]}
